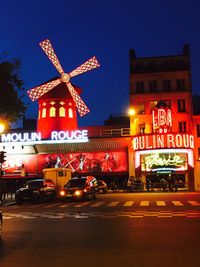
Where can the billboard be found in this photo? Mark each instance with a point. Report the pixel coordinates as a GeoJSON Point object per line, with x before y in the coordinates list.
{"type": "Point", "coordinates": [164, 161]}
{"type": "Point", "coordinates": [15, 163]}
{"type": "Point", "coordinates": [89, 162]}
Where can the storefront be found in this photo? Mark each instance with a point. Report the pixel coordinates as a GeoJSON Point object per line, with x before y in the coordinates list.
{"type": "Point", "coordinates": [166, 156]}
{"type": "Point", "coordinates": [27, 154]}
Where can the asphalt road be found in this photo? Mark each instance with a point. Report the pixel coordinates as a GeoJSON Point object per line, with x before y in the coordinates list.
{"type": "Point", "coordinates": [115, 230]}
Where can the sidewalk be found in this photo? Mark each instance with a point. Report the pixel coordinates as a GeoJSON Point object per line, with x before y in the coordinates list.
{"type": "Point", "coordinates": [8, 201]}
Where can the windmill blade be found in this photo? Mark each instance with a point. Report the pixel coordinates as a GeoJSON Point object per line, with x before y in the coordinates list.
{"type": "Point", "coordinates": [49, 51]}
{"type": "Point", "coordinates": [40, 90]}
{"type": "Point", "coordinates": [91, 64]}
{"type": "Point", "coordinates": [81, 106]}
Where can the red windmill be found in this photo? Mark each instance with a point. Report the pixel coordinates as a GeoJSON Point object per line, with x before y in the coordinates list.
{"type": "Point", "coordinates": [57, 107]}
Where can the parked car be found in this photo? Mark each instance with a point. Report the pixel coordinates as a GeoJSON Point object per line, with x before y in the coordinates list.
{"type": "Point", "coordinates": [1, 222]}
{"type": "Point", "coordinates": [37, 190]}
{"type": "Point", "coordinates": [80, 188]}
{"type": "Point", "coordinates": [102, 186]}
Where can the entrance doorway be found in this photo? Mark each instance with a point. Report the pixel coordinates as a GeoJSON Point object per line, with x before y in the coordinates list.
{"type": "Point", "coordinates": [165, 182]}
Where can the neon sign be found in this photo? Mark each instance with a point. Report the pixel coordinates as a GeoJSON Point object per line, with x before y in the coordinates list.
{"type": "Point", "coordinates": [154, 141]}
{"type": "Point", "coordinates": [162, 119]}
{"type": "Point", "coordinates": [161, 161]}
{"type": "Point", "coordinates": [69, 135]}
{"type": "Point", "coordinates": [56, 137]}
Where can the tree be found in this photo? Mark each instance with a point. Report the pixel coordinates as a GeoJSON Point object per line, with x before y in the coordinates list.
{"type": "Point", "coordinates": [12, 108]}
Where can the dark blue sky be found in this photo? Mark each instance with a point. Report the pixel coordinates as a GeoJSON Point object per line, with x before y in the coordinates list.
{"type": "Point", "coordinates": [80, 29]}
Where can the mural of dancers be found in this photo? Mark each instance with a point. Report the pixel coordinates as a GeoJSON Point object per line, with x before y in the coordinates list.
{"type": "Point", "coordinates": [97, 162]}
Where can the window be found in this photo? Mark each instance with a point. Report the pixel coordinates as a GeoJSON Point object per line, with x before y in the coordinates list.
{"type": "Point", "coordinates": [182, 127]}
{"type": "Point", "coordinates": [198, 130]}
{"type": "Point", "coordinates": [199, 153]}
{"type": "Point", "coordinates": [180, 84]}
{"type": "Point", "coordinates": [140, 108]}
{"type": "Point", "coordinates": [168, 102]}
{"type": "Point", "coordinates": [181, 105]}
{"type": "Point", "coordinates": [142, 128]}
{"type": "Point", "coordinates": [52, 112]}
{"type": "Point", "coordinates": [166, 85]}
{"type": "Point", "coordinates": [139, 87]}
{"type": "Point", "coordinates": [62, 112]}
{"type": "Point", "coordinates": [44, 113]}
{"type": "Point", "coordinates": [70, 113]}
{"type": "Point", "coordinates": [152, 86]}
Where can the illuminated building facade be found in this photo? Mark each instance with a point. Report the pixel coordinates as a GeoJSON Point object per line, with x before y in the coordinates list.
{"type": "Point", "coordinates": [99, 151]}
{"type": "Point", "coordinates": [163, 140]}
{"type": "Point", "coordinates": [164, 130]}
{"type": "Point", "coordinates": [57, 111]}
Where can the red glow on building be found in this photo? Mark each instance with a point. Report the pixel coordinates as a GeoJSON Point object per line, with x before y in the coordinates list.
{"type": "Point", "coordinates": [162, 119]}
{"type": "Point", "coordinates": [57, 111]}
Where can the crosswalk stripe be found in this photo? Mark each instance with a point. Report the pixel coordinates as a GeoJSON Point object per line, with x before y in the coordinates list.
{"type": "Point", "coordinates": [144, 203]}
{"type": "Point", "coordinates": [65, 205]}
{"type": "Point", "coordinates": [81, 215]}
{"type": "Point", "coordinates": [194, 203]}
{"type": "Point", "coordinates": [153, 214]}
{"type": "Point", "coordinates": [180, 214]}
{"type": "Point", "coordinates": [128, 203]}
{"type": "Point", "coordinates": [113, 204]}
{"type": "Point", "coordinates": [82, 204]}
{"type": "Point", "coordinates": [160, 203]}
{"type": "Point", "coordinates": [97, 204]}
{"type": "Point", "coordinates": [177, 203]}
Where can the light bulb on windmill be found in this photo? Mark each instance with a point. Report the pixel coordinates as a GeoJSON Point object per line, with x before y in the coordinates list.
{"type": "Point", "coordinates": [45, 123]}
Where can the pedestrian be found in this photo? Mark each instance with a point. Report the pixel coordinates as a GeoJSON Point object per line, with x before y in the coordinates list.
{"type": "Point", "coordinates": [130, 184]}
{"type": "Point", "coordinates": [4, 190]}
{"type": "Point", "coordinates": [148, 183]}
{"type": "Point", "coordinates": [171, 182]}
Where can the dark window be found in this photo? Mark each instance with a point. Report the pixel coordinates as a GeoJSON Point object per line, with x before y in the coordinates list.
{"type": "Point", "coordinates": [180, 84]}
{"type": "Point", "coordinates": [181, 105]}
{"type": "Point", "coordinates": [198, 130]}
{"type": "Point", "coordinates": [152, 86]}
{"type": "Point", "coordinates": [166, 85]}
{"type": "Point", "coordinates": [76, 183]}
{"type": "Point", "coordinates": [182, 127]}
{"type": "Point", "coordinates": [34, 184]}
{"type": "Point", "coordinates": [139, 87]}
{"type": "Point", "coordinates": [199, 153]}
{"type": "Point", "coordinates": [142, 128]}
{"type": "Point", "coordinates": [168, 102]}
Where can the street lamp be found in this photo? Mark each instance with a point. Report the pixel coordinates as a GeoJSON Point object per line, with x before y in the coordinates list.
{"type": "Point", "coordinates": [2, 159]}
{"type": "Point", "coordinates": [131, 112]}
{"type": "Point", "coordinates": [133, 121]}
{"type": "Point", "coordinates": [2, 127]}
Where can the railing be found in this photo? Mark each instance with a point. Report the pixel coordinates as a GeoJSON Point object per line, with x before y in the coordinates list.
{"type": "Point", "coordinates": [115, 132]}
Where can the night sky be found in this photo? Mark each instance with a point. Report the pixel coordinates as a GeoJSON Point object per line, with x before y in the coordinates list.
{"type": "Point", "coordinates": [80, 29]}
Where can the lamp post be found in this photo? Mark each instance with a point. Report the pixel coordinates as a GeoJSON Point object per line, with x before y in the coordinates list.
{"type": "Point", "coordinates": [133, 121]}
{"type": "Point", "coordinates": [2, 128]}
{"type": "Point", "coordinates": [2, 159]}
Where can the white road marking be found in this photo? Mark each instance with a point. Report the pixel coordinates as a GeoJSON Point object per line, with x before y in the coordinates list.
{"type": "Point", "coordinates": [177, 203]}
{"type": "Point", "coordinates": [194, 203]}
{"type": "Point", "coordinates": [144, 203]}
{"type": "Point", "coordinates": [113, 204]}
{"type": "Point", "coordinates": [160, 203]}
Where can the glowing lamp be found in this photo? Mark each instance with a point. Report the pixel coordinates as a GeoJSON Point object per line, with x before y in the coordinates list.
{"type": "Point", "coordinates": [2, 128]}
{"type": "Point", "coordinates": [77, 193]}
{"type": "Point", "coordinates": [62, 193]}
{"type": "Point", "coordinates": [131, 112]}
